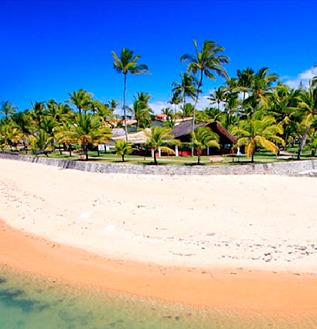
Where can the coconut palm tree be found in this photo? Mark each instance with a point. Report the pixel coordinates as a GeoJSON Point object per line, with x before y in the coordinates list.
{"type": "Point", "coordinates": [160, 138]}
{"type": "Point", "coordinates": [10, 134]}
{"type": "Point", "coordinates": [63, 135]}
{"type": "Point", "coordinates": [124, 63]}
{"type": "Point", "coordinates": [49, 124]}
{"type": "Point", "coordinates": [81, 99]}
{"type": "Point", "coordinates": [122, 147]}
{"type": "Point", "coordinates": [141, 110]}
{"type": "Point", "coordinates": [218, 96]}
{"type": "Point", "coordinates": [206, 63]}
{"type": "Point", "coordinates": [259, 132]}
{"type": "Point", "coordinates": [202, 139]}
{"type": "Point", "coordinates": [175, 100]}
{"type": "Point", "coordinates": [37, 112]}
{"type": "Point", "coordinates": [186, 88]}
{"type": "Point", "coordinates": [260, 91]}
{"type": "Point", "coordinates": [88, 129]}
{"type": "Point", "coordinates": [244, 81]}
{"type": "Point", "coordinates": [7, 109]}
{"type": "Point", "coordinates": [59, 111]}
{"type": "Point", "coordinates": [284, 104]}
{"type": "Point", "coordinates": [41, 142]}
{"type": "Point", "coordinates": [187, 110]}
{"type": "Point", "coordinates": [308, 108]}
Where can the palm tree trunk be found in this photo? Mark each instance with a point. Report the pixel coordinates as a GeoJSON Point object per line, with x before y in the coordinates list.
{"type": "Point", "coordinates": [200, 83]}
{"type": "Point", "coordinates": [252, 156]}
{"type": "Point", "coordinates": [302, 142]}
{"type": "Point", "coordinates": [155, 160]}
{"type": "Point", "coordinates": [124, 106]}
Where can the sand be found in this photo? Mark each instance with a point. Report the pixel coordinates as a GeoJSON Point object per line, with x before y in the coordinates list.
{"type": "Point", "coordinates": [243, 242]}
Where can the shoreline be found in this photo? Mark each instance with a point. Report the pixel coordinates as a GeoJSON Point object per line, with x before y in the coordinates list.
{"type": "Point", "coordinates": [229, 289]}
{"type": "Point", "coordinates": [232, 242]}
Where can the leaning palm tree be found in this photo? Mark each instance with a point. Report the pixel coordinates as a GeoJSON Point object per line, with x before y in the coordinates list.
{"type": "Point", "coordinates": [202, 139]}
{"type": "Point", "coordinates": [160, 138]}
{"type": "Point", "coordinates": [127, 62]}
{"type": "Point", "coordinates": [206, 62]}
{"type": "Point", "coordinates": [259, 132]}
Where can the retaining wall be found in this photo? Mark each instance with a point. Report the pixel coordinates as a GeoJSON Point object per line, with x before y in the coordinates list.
{"type": "Point", "coordinates": [294, 168]}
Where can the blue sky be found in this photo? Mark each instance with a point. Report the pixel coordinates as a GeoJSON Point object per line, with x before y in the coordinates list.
{"type": "Point", "coordinates": [49, 48]}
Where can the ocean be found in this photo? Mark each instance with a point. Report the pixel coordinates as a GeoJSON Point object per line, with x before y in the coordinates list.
{"type": "Point", "coordinates": [30, 302]}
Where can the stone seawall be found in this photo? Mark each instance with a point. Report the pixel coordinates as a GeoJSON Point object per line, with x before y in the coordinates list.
{"type": "Point", "coordinates": [294, 168]}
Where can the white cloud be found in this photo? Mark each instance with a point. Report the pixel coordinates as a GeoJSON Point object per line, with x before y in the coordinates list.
{"type": "Point", "coordinates": [158, 106]}
{"type": "Point", "coordinates": [302, 78]}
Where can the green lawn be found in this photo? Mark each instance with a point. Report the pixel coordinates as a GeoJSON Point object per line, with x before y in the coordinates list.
{"type": "Point", "coordinates": [262, 156]}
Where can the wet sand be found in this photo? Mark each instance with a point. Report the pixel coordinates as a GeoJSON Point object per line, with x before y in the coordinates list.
{"type": "Point", "coordinates": [236, 289]}
{"type": "Point", "coordinates": [245, 243]}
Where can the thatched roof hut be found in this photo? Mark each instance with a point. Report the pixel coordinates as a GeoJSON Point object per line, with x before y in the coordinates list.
{"type": "Point", "coordinates": [183, 129]}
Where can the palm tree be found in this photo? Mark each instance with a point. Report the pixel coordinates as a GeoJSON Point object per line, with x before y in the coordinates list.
{"type": "Point", "coordinates": [206, 62]}
{"type": "Point", "coordinates": [38, 111]}
{"type": "Point", "coordinates": [48, 125]}
{"type": "Point", "coordinates": [7, 109]}
{"type": "Point", "coordinates": [261, 88]}
{"type": "Point", "coordinates": [187, 110]}
{"type": "Point", "coordinates": [141, 110]}
{"type": "Point", "coordinates": [308, 108]}
{"type": "Point", "coordinates": [244, 80]}
{"type": "Point", "coordinates": [102, 110]}
{"type": "Point", "coordinates": [41, 142]}
{"type": "Point", "coordinates": [175, 100]}
{"type": "Point", "coordinates": [89, 130]}
{"type": "Point", "coordinates": [259, 132]}
{"type": "Point", "coordinates": [81, 99]}
{"type": "Point", "coordinates": [160, 138]}
{"type": "Point", "coordinates": [122, 147]}
{"type": "Point", "coordinates": [313, 143]}
{"type": "Point", "coordinates": [218, 96]}
{"type": "Point", "coordinates": [232, 107]}
{"type": "Point", "coordinates": [10, 134]}
{"type": "Point", "coordinates": [63, 135]}
{"type": "Point", "coordinates": [127, 62]}
{"type": "Point", "coordinates": [284, 104]}
{"type": "Point", "coordinates": [202, 139]}
{"type": "Point", "coordinates": [186, 88]}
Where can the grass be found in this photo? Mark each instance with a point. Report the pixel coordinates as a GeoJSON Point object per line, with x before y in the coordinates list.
{"type": "Point", "coordinates": [262, 156]}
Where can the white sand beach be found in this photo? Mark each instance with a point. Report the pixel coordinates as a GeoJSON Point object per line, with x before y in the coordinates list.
{"type": "Point", "coordinates": [258, 222]}
{"type": "Point", "coordinates": [238, 242]}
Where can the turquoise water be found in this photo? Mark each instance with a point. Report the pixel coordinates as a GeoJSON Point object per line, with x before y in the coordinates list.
{"type": "Point", "coordinates": [28, 302]}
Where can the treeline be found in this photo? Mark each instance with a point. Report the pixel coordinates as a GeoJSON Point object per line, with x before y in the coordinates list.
{"type": "Point", "coordinates": [254, 106]}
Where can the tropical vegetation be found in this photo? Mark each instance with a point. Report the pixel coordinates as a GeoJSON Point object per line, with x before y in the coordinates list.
{"type": "Point", "coordinates": [255, 106]}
